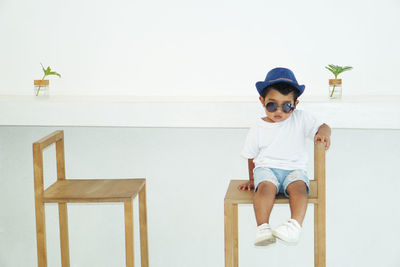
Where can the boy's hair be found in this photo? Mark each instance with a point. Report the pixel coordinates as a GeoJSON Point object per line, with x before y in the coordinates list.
{"type": "Point", "coordinates": [283, 88]}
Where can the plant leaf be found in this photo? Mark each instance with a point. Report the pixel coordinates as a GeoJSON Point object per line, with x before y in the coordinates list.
{"type": "Point", "coordinates": [47, 71]}
{"type": "Point", "coordinates": [334, 67]}
{"type": "Point", "coordinates": [330, 69]}
{"type": "Point", "coordinates": [347, 68]}
{"type": "Point", "coordinates": [54, 73]}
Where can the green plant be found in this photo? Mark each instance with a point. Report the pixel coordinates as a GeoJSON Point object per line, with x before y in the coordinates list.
{"type": "Point", "coordinates": [336, 70]}
{"type": "Point", "coordinates": [47, 72]}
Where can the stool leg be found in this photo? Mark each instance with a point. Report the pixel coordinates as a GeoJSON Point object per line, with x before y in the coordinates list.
{"type": "Point", "coordinates": [316, 258]}
{"type": "Point", "coordinates": [129, 252]}
{"type": "Point", "coordinates": [39, 206]}
{"type": "Point", "coordinates": [231, 235]}
{"type": "Point", "coordinates": [41, 233]}
{"type": "Point", "coordinates": [144, 251]}
{"type": "Point", "coordinates": [319, 235]}
{"type": "Point", "coordinates": [228, 234]}
{"type": "Point", "coordinates": [235, 234]}
{"type": "Point", "coordinates": [64, 240]}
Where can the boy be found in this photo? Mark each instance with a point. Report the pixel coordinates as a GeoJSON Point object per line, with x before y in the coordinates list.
{"type": "Point", "coordinates": [277, 158]}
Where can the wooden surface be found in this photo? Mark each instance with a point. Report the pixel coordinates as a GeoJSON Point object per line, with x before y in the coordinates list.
{"type": "Point", "coordinates": [144, 248]}
{"type": "Point", "coordinates": [84, 190]}
{"type": "Point", "coordinates": [64, 237]}
{"type": "Point", "coordinates": [93, 190]}
{"type": "Point", "coordinates": [39, 206]}
{"type": "Point", "coordinates": [320, 209]}
{"type": "Point", "coordinates": [230, 259]}
{"type": "Point", "coordinates": [62, 207]}
{"type": "Point", "coordinates": [41, 82]}
{"type": "Point", "coordinates": [234, 195]}
{"type": "Point", "coordinates": [50, 139]}
{"type": "Point", "coordinates": [129, 249]}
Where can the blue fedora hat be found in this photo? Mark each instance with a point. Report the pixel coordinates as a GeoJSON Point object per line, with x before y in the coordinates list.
{"type": "Point", "coordinates": [279, 75]}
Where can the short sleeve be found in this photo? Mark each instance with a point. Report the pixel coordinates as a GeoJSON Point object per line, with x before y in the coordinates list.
{"type": "Point", "coordinates": [311, 124]}
{"type": "Point", "coordinates": [251, 147]}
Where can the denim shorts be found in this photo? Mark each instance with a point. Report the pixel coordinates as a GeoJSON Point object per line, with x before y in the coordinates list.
{"type": "Point", "coordinates": [280, 178]}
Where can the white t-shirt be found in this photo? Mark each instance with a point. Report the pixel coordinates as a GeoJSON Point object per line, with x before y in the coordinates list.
{"type": "Point", "coordinates": [281, 145]}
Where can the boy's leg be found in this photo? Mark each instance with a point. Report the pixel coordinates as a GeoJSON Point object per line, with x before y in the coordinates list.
{"type": "Point", "coordinates": [298, 200]}
{"type": "Point", "coordinates": [266, 186]}
{"type": "Point", "coordinates": [263, 201]}
{"type": "Point", "coordinates": [296, 187]}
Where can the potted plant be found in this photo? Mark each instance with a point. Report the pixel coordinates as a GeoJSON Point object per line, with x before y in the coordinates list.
{"type": "Point", "coordinates": [335, 85]}
{"type": "Point", "coordinates": [44, 84]}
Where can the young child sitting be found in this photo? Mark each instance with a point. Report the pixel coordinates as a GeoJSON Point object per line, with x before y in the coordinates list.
{"type": "Point", "coordinates": [277, 158]}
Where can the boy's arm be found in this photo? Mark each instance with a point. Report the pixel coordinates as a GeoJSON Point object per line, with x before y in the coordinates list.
{"type": "Point", "coordinates": [250, 184]}
{"type": "Point", "coordinates": [323, 135]}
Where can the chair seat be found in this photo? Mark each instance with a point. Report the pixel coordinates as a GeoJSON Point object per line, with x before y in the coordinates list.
{"type": "Point", "coordinates": [93, 190]}
{"type": "Point", "coordinates": [236, 196]}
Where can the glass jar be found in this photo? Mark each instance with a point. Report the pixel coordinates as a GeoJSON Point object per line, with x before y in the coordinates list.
{"type": "Point", "coordinates": [335, 88]}
{"type": "Point", "coordinates": [41, 87]}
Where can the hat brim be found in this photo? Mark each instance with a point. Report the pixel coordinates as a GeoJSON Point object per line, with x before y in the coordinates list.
{"type": "Point", "coordinates": [263, 84]}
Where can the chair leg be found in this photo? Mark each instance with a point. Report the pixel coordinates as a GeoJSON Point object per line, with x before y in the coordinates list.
{"type": "Point", "coordinates": [144, 251]}
{"type": "Point", "coordinates": [228, 210]}
{"type": "Point", "coordinates": [319, 235]}
{"type": "Point", "coordinates": [322, 235]}
{"type": "Point", "coordinates": [316, 258]}
{"type": "Point", "coordinates": [231, 235]}
{"type": "Point", "coordinates": [129, 252]}
{"type": "Point", "coordinates": [235, 234]}
{"type": "Point", "coordinates": [41, 233]}
{"type": "Point", "coordinates": [64, 240]}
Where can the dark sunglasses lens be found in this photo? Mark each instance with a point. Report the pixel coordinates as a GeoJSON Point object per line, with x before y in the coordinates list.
{"type": "Point", "coordinates": [271, 107]}
{"type": "Point", "coordinates": [287, 107]}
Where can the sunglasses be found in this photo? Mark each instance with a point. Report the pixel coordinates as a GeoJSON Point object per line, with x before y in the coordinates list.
{"type": "Point", "coordinates": [272, 107]}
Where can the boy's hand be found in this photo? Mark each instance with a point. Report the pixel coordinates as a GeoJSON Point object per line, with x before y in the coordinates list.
{"type": "Point", "coordinates": [323, 135]}
{"type": "Point", "coordinates": [247, 186]}
{"type": "Point", "coordinates": [322, 139]}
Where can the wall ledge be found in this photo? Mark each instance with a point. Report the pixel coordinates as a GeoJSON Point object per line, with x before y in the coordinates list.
{"type": "Point", "coordinates": [363, 112]}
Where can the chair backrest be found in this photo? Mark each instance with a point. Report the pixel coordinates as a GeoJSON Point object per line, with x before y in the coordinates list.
{"type": "Point", "coordinates": [38, 147]}
{"type": "Point", "coordinates": [319, 168]}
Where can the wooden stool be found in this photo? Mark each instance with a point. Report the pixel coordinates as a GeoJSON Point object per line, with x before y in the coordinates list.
{"type": "Point", "coordinates": [234, 197]}
{"type": "Point", "coordinates": [84, 191]}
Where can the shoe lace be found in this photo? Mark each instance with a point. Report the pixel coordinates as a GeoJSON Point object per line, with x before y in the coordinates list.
{"type": "Point", "coordinates": [264, 229]}
{"type": "Point", "coordinates": [290, 225]}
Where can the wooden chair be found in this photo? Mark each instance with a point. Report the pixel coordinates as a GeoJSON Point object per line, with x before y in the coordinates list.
{"type": "Point", "coordinates": [234, 197]}
{"type": "Point", "coordinates": [65, 190]}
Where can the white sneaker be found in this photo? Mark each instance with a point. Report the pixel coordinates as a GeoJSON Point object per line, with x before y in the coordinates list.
{"type": "Point", "coordinates": [264, 236]}
{"type": "Point", "coordinates": [288, 232]}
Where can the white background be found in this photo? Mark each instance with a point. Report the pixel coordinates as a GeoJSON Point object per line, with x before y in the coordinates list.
{"type": "Point", "coordinates": [197, 48]}
{"type": "Point", "coordinates": [188, 171]}
{"type": "Point", "coordinates": [206, 47]}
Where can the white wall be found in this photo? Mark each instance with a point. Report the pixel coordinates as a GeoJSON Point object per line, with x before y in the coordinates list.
{"type": "Point", "coordinates": [187, 173]}
{"type": "Point", "coordinates": [197, 47]}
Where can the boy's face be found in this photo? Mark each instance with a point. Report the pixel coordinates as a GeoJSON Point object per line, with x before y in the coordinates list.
{"type": "Point", "coordinates": [279, 99]}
